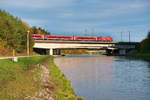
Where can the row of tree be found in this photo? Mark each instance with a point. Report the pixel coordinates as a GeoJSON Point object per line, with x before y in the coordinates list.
{"type": "Point", "coordinates": [13, 32]}
{"type": "Point", "coordinates": [39, 30]}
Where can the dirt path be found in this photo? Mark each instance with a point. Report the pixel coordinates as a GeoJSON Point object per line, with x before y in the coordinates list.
{"type": "Point", "coordinates": [18, 57]}
{"type": "Point", "coordinates": [46, 92]}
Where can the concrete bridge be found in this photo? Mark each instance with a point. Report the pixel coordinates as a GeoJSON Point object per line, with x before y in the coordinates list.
{"type": "Point", "coordinates": [50, 45]}
{"type": "Point", "coordinates": [123, 48]}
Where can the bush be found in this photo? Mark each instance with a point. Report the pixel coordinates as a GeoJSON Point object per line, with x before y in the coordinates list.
{"type": "Point", "coordinates": [145, 44]}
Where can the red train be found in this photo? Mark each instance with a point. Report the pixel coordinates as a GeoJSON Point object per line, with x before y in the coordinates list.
{"type": "Point", "coordinates": [77, 38]}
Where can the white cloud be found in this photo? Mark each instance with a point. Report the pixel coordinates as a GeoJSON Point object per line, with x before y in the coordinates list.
{"type": "Point", "coordinates": [35, 22]}
{"type": "Point", "coordinates": [66, 15]}
{"type": "Point", "coordinates": [28, 4]}
{"type": "Point", "coordinates": [121, 9]}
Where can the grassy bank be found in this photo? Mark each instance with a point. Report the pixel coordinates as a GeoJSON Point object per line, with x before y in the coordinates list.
{"type": "Point", "coordinates": [144, 56]}
{"type": "Point", "coordinates": [62, 86]}
{"type": "Point", "coordinates": [17, 80]}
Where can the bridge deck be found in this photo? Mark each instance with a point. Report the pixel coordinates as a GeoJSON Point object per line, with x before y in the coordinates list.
{"type": "Point", "coordinates": [60, 44]}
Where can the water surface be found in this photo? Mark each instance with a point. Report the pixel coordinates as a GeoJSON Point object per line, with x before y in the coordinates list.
{"type": "Point", "coordinates": [107, 77]}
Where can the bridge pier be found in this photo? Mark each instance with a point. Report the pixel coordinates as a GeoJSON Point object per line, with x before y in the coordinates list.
{"type": "Point", "coordinates": [51, 51]}
{"type": "Point", "coordinates": [58, 52]}
{"type": "Point", "coordinates": [122, 51]}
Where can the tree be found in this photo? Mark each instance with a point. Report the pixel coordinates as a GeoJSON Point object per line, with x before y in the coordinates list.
{"type": "Point", "coordinates": [13, 31]}
{"type": "Point", "coordinates": [145, 44]}
{"type": "Point", "coordinates": [39, 30]}
{"type": "Point", "coordinates": [148, 36]}
{"type": "Point", "coordinates": [34, 30]}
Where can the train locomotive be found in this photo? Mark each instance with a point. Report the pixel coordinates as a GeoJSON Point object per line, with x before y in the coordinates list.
{"type": "Point", "coordinates": [76, 38]}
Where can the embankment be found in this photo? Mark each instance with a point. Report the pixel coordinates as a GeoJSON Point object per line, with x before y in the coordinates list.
{"type": "Point", "coordinates": [143, 56]}
{"type": "Point", "coordinates": [34, 78]}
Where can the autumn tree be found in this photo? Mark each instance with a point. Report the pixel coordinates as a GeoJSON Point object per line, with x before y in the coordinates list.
{"type": "Point", "coordinates": [145, 44]}
{"type": "Point", "coordinates": [39, 30]}
{"type": "Point", "coordinates": [13, 31]}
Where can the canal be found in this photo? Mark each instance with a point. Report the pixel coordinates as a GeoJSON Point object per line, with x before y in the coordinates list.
{"type": "Point", "coordinates": [107, 77]}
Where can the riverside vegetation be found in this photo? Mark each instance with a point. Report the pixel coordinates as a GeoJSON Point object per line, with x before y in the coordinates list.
{"type": "Point", "coordinates": [34, 78]}
{"type": "Point", "coordinates": [13, 34]}
{"type": "Point", "coordinates": [144, 50]}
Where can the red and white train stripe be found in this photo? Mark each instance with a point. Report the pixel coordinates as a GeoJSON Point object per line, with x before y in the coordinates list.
{"type": "Point", "coordinates": [78, 38]}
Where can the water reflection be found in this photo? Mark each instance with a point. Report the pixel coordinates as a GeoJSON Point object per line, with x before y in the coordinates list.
{"type": "Point", "coordinates": [107, 78]}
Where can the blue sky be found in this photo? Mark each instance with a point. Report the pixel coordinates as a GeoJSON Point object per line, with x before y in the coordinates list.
{"type": "Point", "coordinates": [85, 17]}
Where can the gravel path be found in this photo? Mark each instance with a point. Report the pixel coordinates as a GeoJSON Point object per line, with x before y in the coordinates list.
{"type": "Point", "coordinates": [45, 93]}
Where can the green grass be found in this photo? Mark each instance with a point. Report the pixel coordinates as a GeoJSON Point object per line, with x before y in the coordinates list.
{"type": "Point", "coordinates": [63, 88]}
{"type": "Point", "coordinates": [17, 79]}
